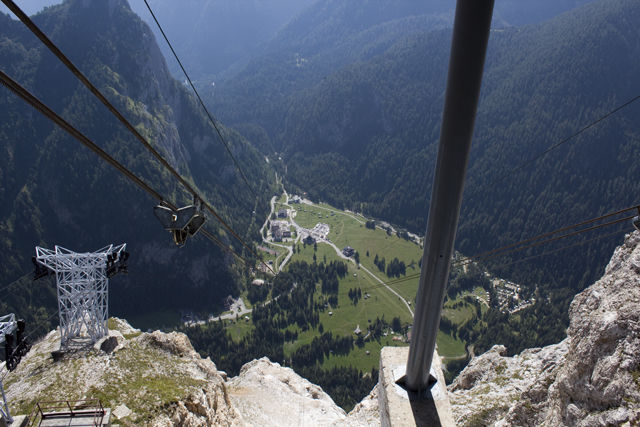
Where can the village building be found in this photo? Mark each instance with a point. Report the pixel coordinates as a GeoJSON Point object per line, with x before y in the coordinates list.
{"type": "Point", "coordinates": [282, 213]}
{"type": "Point", "coordinates": [357, 331]}
{"type": "Point", "coordinates": [348, 251]}
{"type": "Point", "coordinates": [295, 199]}
{"type": "Point", "coordinates": [309, 240]}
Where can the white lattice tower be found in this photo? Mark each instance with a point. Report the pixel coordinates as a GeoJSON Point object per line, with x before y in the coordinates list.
{"type": "Point", "coordinates": [83, 290]}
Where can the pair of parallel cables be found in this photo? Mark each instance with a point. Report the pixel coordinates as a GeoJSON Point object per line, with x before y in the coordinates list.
{"type": "Point", "coordinates": [54, 117]}
{"type": "Point", "coordinates": [531, 242]}
{"type": "Point", "coordinates": [482, 257]}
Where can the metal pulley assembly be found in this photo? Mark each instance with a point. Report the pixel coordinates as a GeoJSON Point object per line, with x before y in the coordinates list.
{"type": "Point", "coordinates": [13, 354]}
{"type": "Point", "coordinates": [117, 263]}
{"type": "Point", "coordinates": [182, 223]}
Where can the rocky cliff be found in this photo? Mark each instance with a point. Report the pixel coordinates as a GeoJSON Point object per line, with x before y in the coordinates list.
{"type": "Point", "coordinates": [592, 378]}
{"type": "Point", "coordinates": [267, 394]}
{"type": "Point", "coordinates": [157, 379]}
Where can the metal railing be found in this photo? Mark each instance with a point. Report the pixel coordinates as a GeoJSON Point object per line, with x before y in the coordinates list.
{"type": "Point", "coordinates": [68, 409]}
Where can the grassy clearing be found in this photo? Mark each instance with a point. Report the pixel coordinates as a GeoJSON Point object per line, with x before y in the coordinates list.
{"type": "Point", "coordinates": [347, 229]}
{"type": "Point", "coordinates": [238, 329]}
{"type": "Point", "coordinates": [309, 219]}
{"type": "Point", "coordinates": [450, 347]}
{"type": "Point", "coordinates": [359, 359]}
{"type": "Point", "coordinates": [306, 254]}
{"type": "Point", "coordinates": [346, 317]}
{"type": "Point", "coordinates": [459, 315]}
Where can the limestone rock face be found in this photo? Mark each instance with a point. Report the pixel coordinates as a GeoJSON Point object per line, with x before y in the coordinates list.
{"type": "Point", "coordinates": [589, 379]}
{"type": "Point", "coordinates": [492, 383]}
{"type": "Point", "coordinates": [267, 394]}
{"type": "Point", "coordinates": [156, 379]}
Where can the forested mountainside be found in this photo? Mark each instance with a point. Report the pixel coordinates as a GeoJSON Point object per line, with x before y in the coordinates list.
{"type": "Point", "coordinates": [53, 191]}
{"type": "Point", "coordinates": [211, 35]}
{"type": "Point", "coordinates": [330, 34]}
{"type": "Point", "coordinates": [365, 137]}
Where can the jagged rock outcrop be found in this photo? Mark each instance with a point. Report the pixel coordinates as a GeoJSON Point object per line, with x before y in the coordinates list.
{"type": "Point", "coordinates": [592, 378]}
{"type": "Point", "coordinates": [157, 376]}
{"type": "Point", "coordinates": [157, 379]}
{"type": "Point", "coordinates": [269, 395]}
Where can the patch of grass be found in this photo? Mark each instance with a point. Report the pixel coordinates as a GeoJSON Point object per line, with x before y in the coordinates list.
{"type": "Point", "coordinates": [450, 347]}
{"type": "Point", "coordinates": [461, 314]}
{"type": "Point", "coordinates": [348, 229]}
{"type": "Point", "coordinates": [486, 417]}
{"type": "Point", "coordinates": [240, 328]}
{"type": "Point", "coordinates": [148, 380]}
{"type": "Point", "coordinates": [306, 254]}
{"type": "Point", "coordinates": [131, 336]}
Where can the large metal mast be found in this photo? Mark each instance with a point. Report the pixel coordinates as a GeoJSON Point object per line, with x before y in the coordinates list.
{"type": "Point", "coordinates": [83, 289]}
{"type": "Point", "coordinates": [466, 64]}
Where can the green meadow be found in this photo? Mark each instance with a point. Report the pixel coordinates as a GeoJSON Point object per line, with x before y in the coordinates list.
{"type": "Point", "coordinates": [347, 229]}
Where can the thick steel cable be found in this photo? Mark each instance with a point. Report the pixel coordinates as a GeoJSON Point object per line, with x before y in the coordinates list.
{"type": "Point", "coordinates": [546, 241]}
{"type": "Point", "coordinates": [546, 234]}
{"type": "Point", "coordinates": [63, 58]}
{"type": "Point", "coordinates": [200, 99]}
{"type": "Point", "coordinates": [67, 62]}
{"type": "Point", "coordinates": [482, 257]}
{"type": "Point", "coordinates": [34, 102]}
{"type": "Point", "coordinates": [564, 247]}
{"type": "Point", "coordinates": [414, 276]}
{"type": "Point", "coordinates": [55, 118]}
{"type": "Point", "coordinates": [223, 246]}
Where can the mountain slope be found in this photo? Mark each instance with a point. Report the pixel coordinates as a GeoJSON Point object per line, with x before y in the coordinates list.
{"type": "Point", "coordinates": [590, 378]}
{"type": "Point", "coordinates": [365, 137]}
{"type": "Point", "coordinates": [331, 34]}
{"type": "Point", "coordinates": [56, 192]}
{"type": "Point", "coordinates": [211, 35]}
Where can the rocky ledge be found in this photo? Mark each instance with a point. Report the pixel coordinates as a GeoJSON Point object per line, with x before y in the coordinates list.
{"type": "Point", "coordinates": [267, 394]}
{"type": "Point", "coordinates": [157, 379]}
{"type": "Point", "coordinates": [592, 378]}
{"type": "Point", "coordinates": [153, 379]}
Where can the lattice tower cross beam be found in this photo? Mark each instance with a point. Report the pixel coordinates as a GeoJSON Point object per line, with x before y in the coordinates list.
{"type": "Point", "coordinates": [83, 290]}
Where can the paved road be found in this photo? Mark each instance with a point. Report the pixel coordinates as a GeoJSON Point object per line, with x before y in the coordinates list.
{"type": "Point", "coordinates": [288, 248]}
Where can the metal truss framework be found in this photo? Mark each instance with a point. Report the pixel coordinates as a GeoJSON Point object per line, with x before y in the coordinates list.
{"type": "Point", "coordinates": [83, 290]}
{"type": "Point", "coordinates": [8, 326]}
